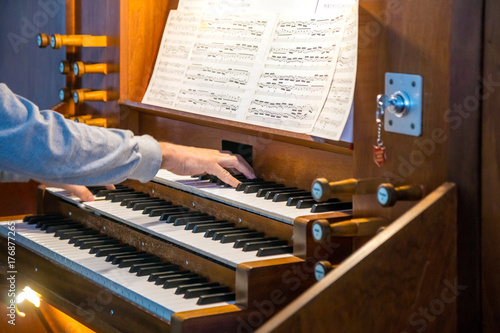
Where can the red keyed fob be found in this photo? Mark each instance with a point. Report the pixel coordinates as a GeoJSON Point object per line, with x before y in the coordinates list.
{"type": "Point", "coordinates": [379, 155]}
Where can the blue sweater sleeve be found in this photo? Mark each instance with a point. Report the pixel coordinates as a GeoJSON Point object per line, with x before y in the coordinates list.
{"type": "Point", "coordinates": [44, 146]}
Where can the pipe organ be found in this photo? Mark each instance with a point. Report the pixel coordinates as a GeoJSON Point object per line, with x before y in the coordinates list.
{"type": "Point", "coordinates": [325, 240]}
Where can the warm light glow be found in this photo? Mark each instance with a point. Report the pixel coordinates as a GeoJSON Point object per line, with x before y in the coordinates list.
{"type": "Point", "coordinates": [30, 295]}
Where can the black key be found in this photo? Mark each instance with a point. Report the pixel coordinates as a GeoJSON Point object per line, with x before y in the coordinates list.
{"type": "Point", "coordinates": [191, 224]}
{"type": "Point", "coordinates": [114, 250]}
{"type": "Point", "coordinates": [269, 251]}
{"type": "Point", "coordinates": [87, 244]}
{"type": "Point", "coordinates": [184, 220]}
{"type": "Point", "coordinates": [197, 292]}
{"type": "Point", "coordinates": [73, 239]}
{"type": "Point", "coordinates": [202, 227]}
{"type": "Point", "coordinates": [130, 262]}
{"type": "Point", "coordinates": [122, 196]}
{"type": "Point", "coordinates": [210, 232]}
{"type": "Point", "coordinates": [125, 202]}
{"type": "Point", "coordinates": [203, 177]}
{"type": "Point", "coordinates": [93, 246]}
{"type": "Point", "coordinates": [171, 218]}
{"type": "Point", "coordinates": [218, 234]}
{"type": "Point", "coordinates": [54, 228]}
{"type": "Point", "coordinates": [116, 258]}
{"type": "Point", "coordinates": [173, 275]}
{"type": "Point", "coordinates": [61, 232]}
{"type": "Point", "coordinates": [254, 188]}
{"type": "Point", "coordinates": [220, 182]}
{"type": "Point", "coordinates": [158, 211]}
{"type": "Point", "coordinates": [156, 276]}
{"type": "Point", "coordinates": [30, 219]}
{"type": "Point", "coordinates": [269, 194]}
{"type": "Point", "coordinates": [293, 201]}
{"type": "Point", "coordinates": [97, 247]}
{"type": "Point", "coordinates": [173, 283]}
{"type": "Point", "coordinates": [216, 298]}
{"type": "Point", "coordinates": [155, 269]}
{"type": "Point", "coordinates": [112, 194]}
{"type": "Point", "coordinates": [182, 288]}
{"type": "Point", "coordinates": [280, 197]}
{"type": "Point", "coordinates": [241, 242]}
{"type": "Point", "coordinates": [241, 186]}
{"type": "Point", "coordinates": [308, 203]}
{"type": "Point", "coordinates": [254, 246]}
{"type": "Point", "coordinates": [78, 239]}
{"type": "Point", "coordinates": [330, 206]}
{"type": "Point", "coordinates": [212, 179]}
{"type": "Point", "coordinates": [95, 189]}
{"type": "Point", "coordinates": [42, 225]}
{"type": "Point", "coordinates": [135, 268]}
{"type": "Point", "coordinates": [229, 238]}
{"type": "Point", "coordinates": [130, 202]}
{"type": "Point", "coordinates": [83, 232]}
{"type": "Point", "coordinates": [111, 256]}
{"type": "Point", "coordinates": [180, 211]}
{"type": "Point", "coordinates": [305, 203]}
{"type": "Point", "coordinates": [104, 193]}
{"type": "Point", "coordinates": [141, 205]}
{"type": "Point", "coordinates": [147, 209]}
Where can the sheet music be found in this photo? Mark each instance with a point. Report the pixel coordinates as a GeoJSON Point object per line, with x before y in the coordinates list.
{"type": "Point", "coordinates": [297, 72]}
{"type": "Point", "coordinates": [224, 65]}
{"type": "Point", "coordinates": [273, 70]}
{"type": "Point", "coordinates": [173, 59]}
{"type": "Point", "coordinates": [224, 7]}
{"type": "Point", "coordinates": [333, 117]}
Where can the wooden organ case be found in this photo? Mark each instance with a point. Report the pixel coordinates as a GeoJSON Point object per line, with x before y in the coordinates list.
{"type": "Point", "coordinates": [420, 273]}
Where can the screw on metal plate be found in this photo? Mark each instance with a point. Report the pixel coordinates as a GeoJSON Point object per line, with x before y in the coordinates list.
{"type": "Point", "coordinates": [402, 102]}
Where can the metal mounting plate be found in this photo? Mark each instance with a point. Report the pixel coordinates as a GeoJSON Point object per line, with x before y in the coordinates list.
{"type": "Point", "coordinates": [410, 123]}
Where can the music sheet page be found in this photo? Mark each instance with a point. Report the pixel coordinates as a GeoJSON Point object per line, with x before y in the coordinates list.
{"type": "Point", "coordinates": [277, 68]}
{"type": "Point", "coordinates": [335, 113]}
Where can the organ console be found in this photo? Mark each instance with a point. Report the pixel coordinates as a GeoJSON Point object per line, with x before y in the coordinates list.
{"type": "Point", "coordinates": [276, 254]}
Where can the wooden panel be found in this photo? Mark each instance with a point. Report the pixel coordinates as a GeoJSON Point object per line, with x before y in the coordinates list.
{"type": "Point", "coordinates": [100, 18]}
{"type": "Point", "coordinates": [141, 30]}
{"type": "Point", "coordinates": [404, 279]}
{"type": "Point", "coordinates": [464, 154]}
{"type": "Point", "coordinates": [403, 44]}
{"type": "Point", "coordinates": [17, 198]}
{"type": "Point", "coordinates": [440, 42]}
{"type": "Point", "coordinates": [268, 281]}
{"type": "Point", "coordinates": [491, 170]}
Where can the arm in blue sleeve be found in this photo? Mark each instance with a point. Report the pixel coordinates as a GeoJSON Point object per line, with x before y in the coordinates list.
{"type": "Point", "coordinates": [45, 146]}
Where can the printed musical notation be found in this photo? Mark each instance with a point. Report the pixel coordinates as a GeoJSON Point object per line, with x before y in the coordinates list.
{"type": "Point", "coordinates": [333, 117]}
{"type": "Point", "coordinates": [280, 68]}
{"type": "Point", "coordinates": [299, 48]}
